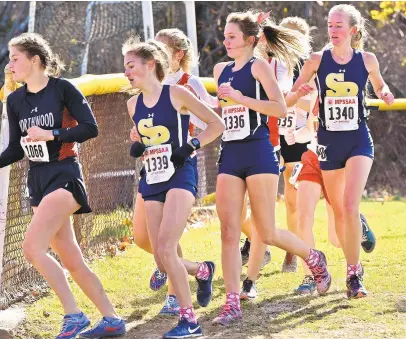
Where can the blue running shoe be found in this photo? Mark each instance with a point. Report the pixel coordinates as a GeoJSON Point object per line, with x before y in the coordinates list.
{"type": "Point", "coordinates": [368, 241]}
{"type": "Point", "coordinates": [158, 279]}
{"type": "Point", "coordinates": [107, 327]}
{"type": "Point", "coordinates": [72, 325]}
{"type": "Point", "coordinates": [171, 306]}
{"type": "Point", "coordinates": [184, 329]}
{"type": "Point", "coordinates": [205, 287]}
{"type": "Point", "coordinates": [308, 286]}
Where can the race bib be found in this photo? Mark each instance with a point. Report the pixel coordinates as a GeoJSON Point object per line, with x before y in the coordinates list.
{"type": "Point", "coordinates": [158, 166]}
{"type": "Point", "coordinates": [341, 113]}
{"type": "Point", "coordinates": [237, 121]}
{"type": "Point", "coordinates": [36, 151]}
{"type": "Point", "coordinates": [321, 152]}
{"type": "Point", "coordinates": [287, 123]}
{"type": "Point", "coordinates": [295, 173]}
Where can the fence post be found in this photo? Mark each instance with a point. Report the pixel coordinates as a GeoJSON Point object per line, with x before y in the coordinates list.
{"type": "Point", "coordinates": [9, 86]}
{"type": "Point", "coordinates": [148, 20]}
{"type": "Point", "coordinates": [191, 29]}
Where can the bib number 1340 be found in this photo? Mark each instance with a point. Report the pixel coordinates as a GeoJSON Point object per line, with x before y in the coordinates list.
{"type": "Point", "coordinates": [341, 113]}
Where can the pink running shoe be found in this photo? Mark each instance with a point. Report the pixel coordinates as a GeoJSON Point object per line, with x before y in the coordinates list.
{"type": "Point", "coordinates": [228, 315]}
{"type": "Point", "coordinates": [321, 274]}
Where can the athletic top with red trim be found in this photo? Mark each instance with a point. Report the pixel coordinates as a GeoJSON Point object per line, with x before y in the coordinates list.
{"type": "Point", "coordinates": [285, 83]}
{"type": "Point", "coordinates": [60, 105]}
{"type": "Point", "coordinates": [182, 78]}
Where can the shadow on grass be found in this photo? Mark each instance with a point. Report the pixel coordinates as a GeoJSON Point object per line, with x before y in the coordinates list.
{"type": "Point", "coordinates": [273, 315]}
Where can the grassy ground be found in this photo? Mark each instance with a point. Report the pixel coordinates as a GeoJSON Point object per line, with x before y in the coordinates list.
{"type": "Point", "coordinates": [277, 313]}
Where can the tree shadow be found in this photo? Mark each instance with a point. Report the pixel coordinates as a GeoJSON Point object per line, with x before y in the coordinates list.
{"type": "Point", "coordinates": [271, 316]}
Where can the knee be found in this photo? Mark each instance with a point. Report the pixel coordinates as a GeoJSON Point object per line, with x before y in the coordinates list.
{"type": "Point", "coordinates": [30, 252]}
{"type": "Point", "coordinates": [351, 210]}
{"type": "Point", "coordinates": [268, 237]}
{"type": "Point", "coordinates": [167, 252]}
{"type": "Point", "coordinates": [74, 264]}
{"type": "Point", "coordinates": [229, 235]}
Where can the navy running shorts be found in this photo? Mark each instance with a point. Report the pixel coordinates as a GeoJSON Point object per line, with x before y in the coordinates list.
{"type": "Point", "coordinates": [184, 178]}
{"type": "Point", "coordinates": [47, 178]}
{"type": "Point", "coordinates": [245, 158]}
{"type": "Point", "coordinates": [338, 147]}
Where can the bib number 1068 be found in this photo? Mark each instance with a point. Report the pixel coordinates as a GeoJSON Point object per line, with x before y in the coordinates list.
{"type": "Point", "coordinates": [34, 151]}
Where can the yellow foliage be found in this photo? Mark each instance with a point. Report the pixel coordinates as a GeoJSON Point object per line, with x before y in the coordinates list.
{"type": "Point", "coordinates": [388, 10]}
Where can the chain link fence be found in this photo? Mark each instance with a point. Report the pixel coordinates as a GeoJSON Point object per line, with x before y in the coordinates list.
{"type": "Point", "coordinates": [88, 36]}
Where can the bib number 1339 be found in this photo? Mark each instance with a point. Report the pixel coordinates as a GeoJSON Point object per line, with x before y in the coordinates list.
{"type": "Point", "coordinates": [157, 164]}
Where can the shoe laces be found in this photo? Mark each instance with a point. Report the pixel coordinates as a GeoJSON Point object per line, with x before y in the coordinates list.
{"type": "Point", "coordinates": [355, 282]}
{"type": "Point", "coordinates": [318, 273]}
{"type": "Point", "coordinates": [159, 275]}
{"type": "Point", "coordinates": [227, 311]}
{"type": "Point", "coordinates": [67, 321]}
{"type": "Point", "coordinates": [96, 326]}
{"type": "Point", "coordinates": [308, 279]}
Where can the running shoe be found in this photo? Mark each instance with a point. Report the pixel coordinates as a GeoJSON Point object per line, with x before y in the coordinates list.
{"type": "Point", "coordinates": [171, 306]}
{"type": "Point", "coordinates": [205, 287]}
{"type": "Point", "coordinates": [184, 329]}
{"type": "Point", "coordinates": [308, 286]}
{"type": "Point", "coordinates": [245, 251]}
{"type": "Point", "coordinates": [72, 325]}
{"type": "Point", "coordinates": [290, 263]}
{"type": "Point", "coordinates": [355, 287]}
{"type": "Point", "coordinates": [228, 315]}
{"type": "Point", "coordinates": [267, 258]}
{"type": "Point", "coordinates": [368, 241]}
{"type": "Point", "coordinates": [321, 274]}
{"type": "Point", "coordinates": [107, 327]}
{"type": "Point", "coordinates": [249, 290]}
{"type": "Point", "coordinates": [158, 279]}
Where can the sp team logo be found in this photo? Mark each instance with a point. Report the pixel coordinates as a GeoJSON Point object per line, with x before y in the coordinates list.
{"type": "Point", "coordinates": [338, 87]}
{"type": "Point", "coordinates": [152, 135]}
{"type": "Point", "coordinates": [321, 152]}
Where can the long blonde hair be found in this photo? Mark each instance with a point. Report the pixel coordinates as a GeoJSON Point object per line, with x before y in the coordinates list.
{"type": "Point", "coordinates": [178, 41]}
{"type": "Point", "coordinates": [285, 44]}
{"type": "Point", "coordinates": [149, 50]}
